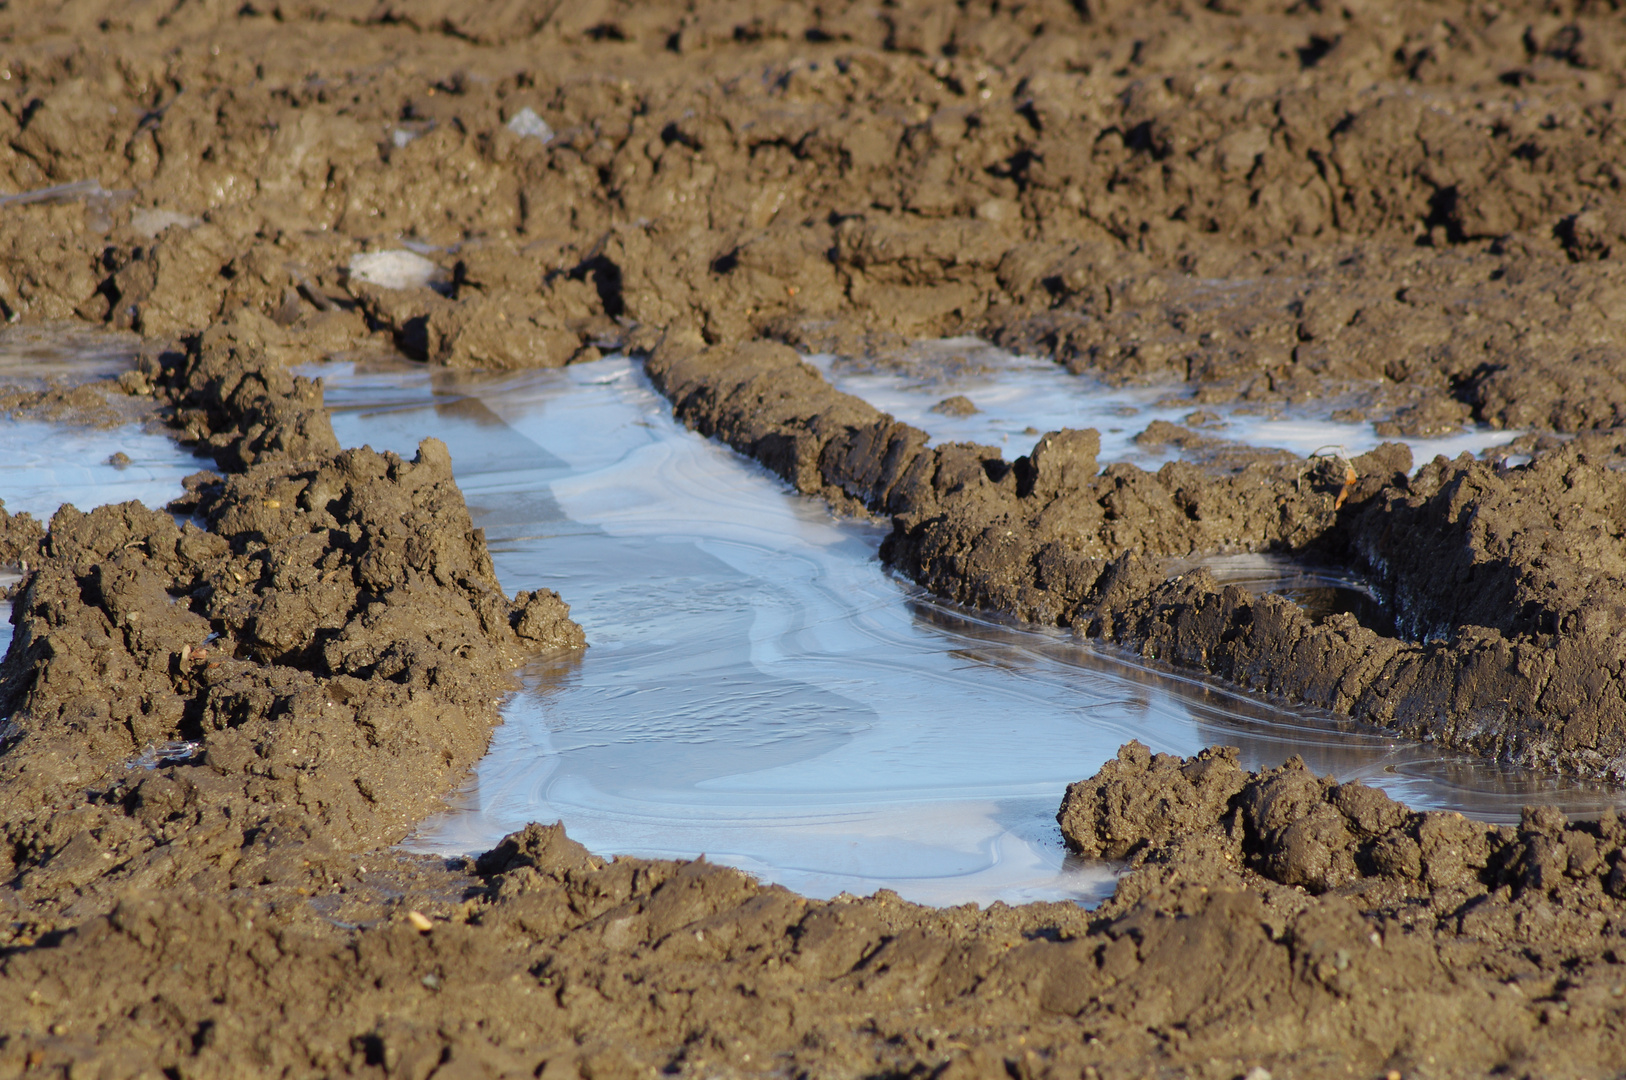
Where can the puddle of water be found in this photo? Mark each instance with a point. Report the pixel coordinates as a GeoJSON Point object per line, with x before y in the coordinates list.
{"type": "Point", "coordinates": [1320, 590]}
{"type": "Point", "coordinates": [1019, 398]}
{"type": "Point", "coordinates": [44, 465]}
{"type": "Point", "coordinates": [759, 689]}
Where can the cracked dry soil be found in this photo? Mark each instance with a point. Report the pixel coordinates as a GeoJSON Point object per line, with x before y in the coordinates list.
{"type": "Point", "coordinates": [1412, 213]}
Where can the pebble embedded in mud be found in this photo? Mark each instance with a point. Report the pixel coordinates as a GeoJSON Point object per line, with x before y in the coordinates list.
{"type": "Point", "coordinates": [958, 405]}
{"type": "Point", "coordinates": [397, 269]}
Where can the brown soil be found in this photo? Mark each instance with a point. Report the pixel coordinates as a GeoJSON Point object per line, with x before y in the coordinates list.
{"type": "Point", "coordinates": [1410, 214]}
{"type": "Point", "coordinates": [1505, 579]}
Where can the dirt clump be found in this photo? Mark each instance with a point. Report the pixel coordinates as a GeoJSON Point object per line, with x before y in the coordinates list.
{"type": "Point", "coordinates": [1272, 920]}
{"type": "Point", "coordinates": [306, 662]}
{"type": "Point", "coordinates": [20, 536]}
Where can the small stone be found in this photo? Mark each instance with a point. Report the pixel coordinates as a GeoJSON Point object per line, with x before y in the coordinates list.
{"type": "Point", "coordinates": [958, 405]}
{"type": "Point", "coordinates": [394, 269]}
{"type": "Point", "coordinates": [1258, 1072]}
{"type": "Point", "coordinates": [120, 460]}
{"type": "Point", "coordinates": [527, 125]}
{"type": "Point", "coordinates": [420, 922]}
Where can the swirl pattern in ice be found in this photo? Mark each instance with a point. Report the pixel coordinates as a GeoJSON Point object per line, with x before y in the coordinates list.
{"type": "Point", "coordinates": [759, 689]}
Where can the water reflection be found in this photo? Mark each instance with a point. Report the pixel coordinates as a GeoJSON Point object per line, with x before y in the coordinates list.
{"type": "Point", "coordinates": [1319, 589]}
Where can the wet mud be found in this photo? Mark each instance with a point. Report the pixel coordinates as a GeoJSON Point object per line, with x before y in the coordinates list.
{"type": "Point", "coordinates": [1271, 920]}
{"type": "Point", "coordinates": [1502, 643]}
{"type": "Point", "coordinates": [220, 715]}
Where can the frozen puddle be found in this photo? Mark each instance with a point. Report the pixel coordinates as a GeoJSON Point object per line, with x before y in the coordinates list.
{"type": "Point", "coordinates": [1320, 590]}
{"type": "Point", "coordinates": [759, 689]}
{"type": "Point", "coordinates": [44, 465]}
{"type": "Point", "coordinates": [1018, 398]}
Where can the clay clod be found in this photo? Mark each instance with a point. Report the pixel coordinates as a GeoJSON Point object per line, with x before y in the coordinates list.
{"type": "Point", "coordinates": [1063, 461]}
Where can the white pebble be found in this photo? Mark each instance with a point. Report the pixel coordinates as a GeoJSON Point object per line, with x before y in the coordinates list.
{"type": "Point", "coordinates": [396, 269]}
{"type": "Point", "coordinates": [150, 221]}
{"type": "Point", "coordinates": [526, 124]}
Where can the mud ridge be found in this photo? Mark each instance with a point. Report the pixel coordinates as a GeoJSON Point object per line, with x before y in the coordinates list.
{"type": "Point", "coordinates": [1510, 652]}
{"type": "Point", "coordinates": [1268, 920]}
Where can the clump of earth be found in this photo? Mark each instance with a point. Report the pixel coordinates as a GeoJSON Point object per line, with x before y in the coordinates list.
{"type": "Point", "coordinates": [215, 731]}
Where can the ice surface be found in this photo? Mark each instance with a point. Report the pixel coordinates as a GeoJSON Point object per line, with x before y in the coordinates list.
{"type": "Point", "coordinates": [759, 689]}
{"type": "Point", "coordinates": [1019, 398]}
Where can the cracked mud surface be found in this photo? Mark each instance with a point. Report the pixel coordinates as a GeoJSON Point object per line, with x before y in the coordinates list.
{"type": "Point", "coordinates": [215, 728]}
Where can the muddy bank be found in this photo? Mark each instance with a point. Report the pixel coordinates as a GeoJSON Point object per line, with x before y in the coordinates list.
{"type": "Point", "coordinates": [1414, 210]}
{"type": "Point", "coordinates": [1503, 581]}
{"type": "Point", "coordinates": [304, 664]}
{"type": "Point", "coordinates": [1270, 920]}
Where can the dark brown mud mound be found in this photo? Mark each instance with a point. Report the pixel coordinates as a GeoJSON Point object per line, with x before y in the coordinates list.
{"type": "Point", "coordinates": [1505, 585]}
{"type": "Point", "coordinates": [1271, 920]}
{"type": "Point", "coordinates": [313, 668]}
{"type": "Point", "coordinates": [1503, 580]}
{"type": "Point", "coordinates": [20, 536]}
{"type": "Point", "coordinates": [1428, 932]}
{"type": "Point", "coordinates": [1537, 551]}
{"type": "Point", "coordinates": [229, 395]}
